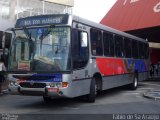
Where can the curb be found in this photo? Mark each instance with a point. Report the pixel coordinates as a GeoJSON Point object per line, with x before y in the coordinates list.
{"type": "Point", "coordinates": [152, 94]}
{"type": "Point", "coordinates": [153, 79]}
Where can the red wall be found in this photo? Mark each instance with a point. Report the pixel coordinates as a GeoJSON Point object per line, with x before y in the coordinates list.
{"type": "Point", "coordinates": [128, 15]}
{"type": "Point", "coordinates": [155, 55]}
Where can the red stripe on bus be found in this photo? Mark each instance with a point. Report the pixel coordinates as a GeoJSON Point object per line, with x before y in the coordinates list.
{"type": "Point", "coordinates": [110, 66]}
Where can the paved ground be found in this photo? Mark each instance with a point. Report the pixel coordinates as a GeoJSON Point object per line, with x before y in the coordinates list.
{"type": "Point", "coordinates": [113, 102]}
{"type": "Point", "coordinates": [153, 93]}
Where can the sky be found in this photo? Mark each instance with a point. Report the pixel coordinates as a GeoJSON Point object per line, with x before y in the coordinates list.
{"type": "Point", "coordinates": [93, 10]}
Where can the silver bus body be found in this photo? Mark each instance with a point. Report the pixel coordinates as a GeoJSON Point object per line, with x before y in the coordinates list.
{"type": "Point", "coordinates": [108, 71]}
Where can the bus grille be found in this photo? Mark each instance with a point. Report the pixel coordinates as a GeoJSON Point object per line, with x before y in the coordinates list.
{"type": "Point", "coordinates": [32, 85]}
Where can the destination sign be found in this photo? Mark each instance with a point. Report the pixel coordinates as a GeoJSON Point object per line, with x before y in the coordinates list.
{"type": "Point", "coordinates": [42, 20]}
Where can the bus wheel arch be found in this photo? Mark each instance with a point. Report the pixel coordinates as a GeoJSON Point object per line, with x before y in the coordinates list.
{"type": "Point", "coordinates": [92, 91]}
{"type": "Point", "coordinates": [134, 84]}
{"type": "Point", "coordinates": [98, 79]}
{"type": "Point", "coordinates": [95, 85]}
{"type": "Point", "coordinates": [136, 74]}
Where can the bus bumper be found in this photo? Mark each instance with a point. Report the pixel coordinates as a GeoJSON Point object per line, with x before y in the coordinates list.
{"type": "Point", "coordinates": [13, 88]}
{"type": "Point", "coordinates": [47, 91]}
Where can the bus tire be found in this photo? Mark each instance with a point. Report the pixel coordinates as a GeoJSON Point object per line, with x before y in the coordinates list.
{"type": "Point", "coordinates": [47, 99]}
{"type": "Point", "coordinates": [133, 86]}
{"type": "Point", "coordinates": [93, 91]}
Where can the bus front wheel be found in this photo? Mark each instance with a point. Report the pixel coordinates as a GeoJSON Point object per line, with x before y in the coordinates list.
{"type": "Point", "coordinates": [93, 91]}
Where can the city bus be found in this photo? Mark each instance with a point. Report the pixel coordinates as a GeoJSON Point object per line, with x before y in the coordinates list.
{"type": "Point", "coordinates": [62, 55]}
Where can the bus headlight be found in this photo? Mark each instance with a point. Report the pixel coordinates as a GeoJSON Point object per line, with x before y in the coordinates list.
{"type": "Point", "coordinates": [16, 84]}
{"type": "Point", "coordinates": [13, 83]}
{"type": "Point", "coordinates": [52, 84]}
{"type": "Point", "coordinates": [58, 85]}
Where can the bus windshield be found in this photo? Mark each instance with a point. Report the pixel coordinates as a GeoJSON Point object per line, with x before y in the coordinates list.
{"type": "Point", "coordinates": [40, 49]}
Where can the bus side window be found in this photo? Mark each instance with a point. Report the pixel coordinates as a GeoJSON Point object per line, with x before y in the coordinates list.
{"type": "Point", "coordinates": [108, 43]}
{"type": "Point", "coordinates": [128, 47]}
{"type": "Point", "coordinates": [134, 49]}
{"type": "Point", "coordinates": [96, 42]}
{"type": "Point", "coordinates": [141, 50]}
{"type": "Point", "coordinates": [112, 46]}
{"type": "Point", "coordinates": [80, 49]}
{"type": "Point", "coordinates": [119, 46]}
{"type": "Point", "coordinates": [146, 49]}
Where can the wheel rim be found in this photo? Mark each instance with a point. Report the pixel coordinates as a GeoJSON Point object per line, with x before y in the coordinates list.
{"type": "Point", "coordinates": [135, 82]}
{"type": "Point", "coordinates": [95, 89]}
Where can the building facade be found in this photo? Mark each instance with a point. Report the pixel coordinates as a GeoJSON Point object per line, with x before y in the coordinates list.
{"type": "Point", "coordinates": [11, 10]}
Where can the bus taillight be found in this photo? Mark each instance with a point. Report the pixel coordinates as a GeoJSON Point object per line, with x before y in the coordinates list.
{"type": "Point", "coordinates": [20, 81]}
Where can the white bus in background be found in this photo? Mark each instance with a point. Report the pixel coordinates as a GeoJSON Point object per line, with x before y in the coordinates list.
{"type": "Point", "coordinates": [5, 39]}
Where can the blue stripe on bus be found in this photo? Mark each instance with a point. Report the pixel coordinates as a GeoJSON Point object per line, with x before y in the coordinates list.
{"type": "Point", "coordinates": [138, 65]}
{"type": "Point", "coordinates": [47, 78]}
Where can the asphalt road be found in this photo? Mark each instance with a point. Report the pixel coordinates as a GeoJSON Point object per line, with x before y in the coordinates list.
{"type": "Point", "coordinates": [112, 102]}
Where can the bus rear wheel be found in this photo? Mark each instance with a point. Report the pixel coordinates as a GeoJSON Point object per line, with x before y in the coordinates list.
{"type": "Point", "coordinates": [93, 91]}
{"type": "Point", "coordinates": [134, 85]}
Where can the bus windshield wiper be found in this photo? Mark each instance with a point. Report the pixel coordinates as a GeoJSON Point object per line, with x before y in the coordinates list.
{"type": "Point", "coordinates": [28, 34]}
{"type": "Point", "coordinates": [46, 32]}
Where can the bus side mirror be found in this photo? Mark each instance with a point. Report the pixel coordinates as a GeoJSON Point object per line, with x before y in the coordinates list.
{"type": "Point", "coordinates": [84, 38]}
{"type": "Point", "coordinates": [10, 29]}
